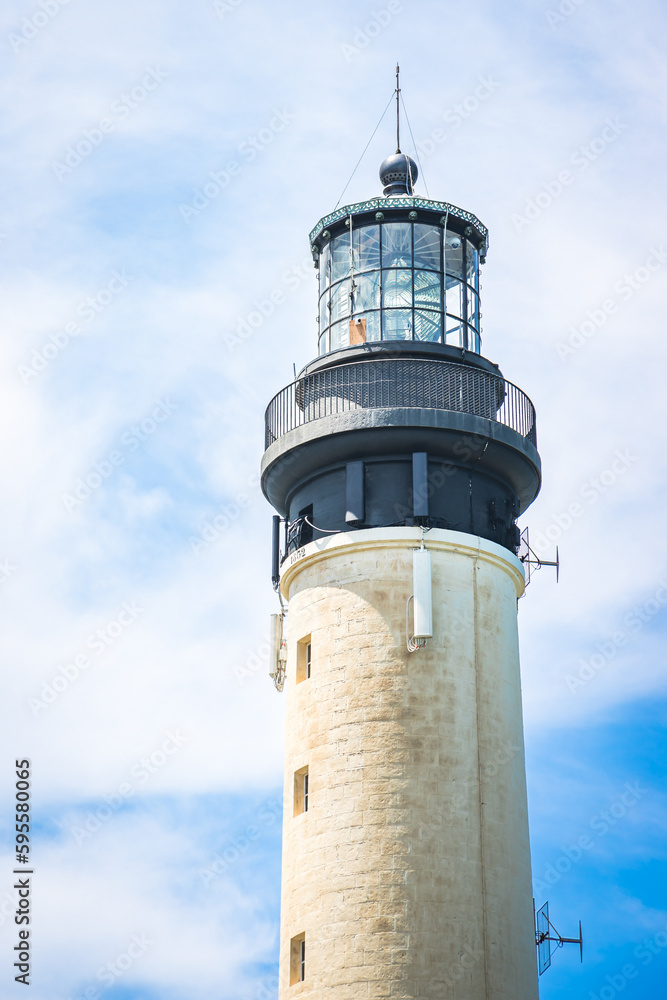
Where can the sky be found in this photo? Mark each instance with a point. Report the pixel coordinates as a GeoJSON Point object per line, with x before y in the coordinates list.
{"type": "Point", "coordinates": [162, 166]}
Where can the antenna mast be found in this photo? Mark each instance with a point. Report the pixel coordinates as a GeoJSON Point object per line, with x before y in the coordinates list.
{"type": "Point", "coordinates": [398, 119]}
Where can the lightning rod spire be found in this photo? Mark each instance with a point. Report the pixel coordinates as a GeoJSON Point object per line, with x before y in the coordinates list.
{"type": "Point", "coordinates": [398, 115]}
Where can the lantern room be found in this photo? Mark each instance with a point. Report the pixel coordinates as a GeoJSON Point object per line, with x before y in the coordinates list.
{"type": "Point", "coordinates": [399, 268]}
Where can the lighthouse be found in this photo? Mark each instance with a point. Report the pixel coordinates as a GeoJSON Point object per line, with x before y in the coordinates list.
{"type": "Point", "coordinates": [398, 461]}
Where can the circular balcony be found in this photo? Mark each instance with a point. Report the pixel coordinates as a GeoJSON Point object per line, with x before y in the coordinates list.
{"type": "Point", "coordinates": [463, 413]}
{"type": "Point", "coordinates": [400, 382]}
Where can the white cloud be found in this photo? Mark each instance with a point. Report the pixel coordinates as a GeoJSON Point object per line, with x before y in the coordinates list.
{"type": "Point", "coordinates": [195, 656]}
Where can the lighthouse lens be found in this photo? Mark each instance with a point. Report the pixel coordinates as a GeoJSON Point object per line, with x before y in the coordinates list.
{"type": "Point", "coordinates": [397, 324]}
{"type": "Point", "coordinates": [428, 326]}
{"type": "Point", "coordinates": [397, 244]}
{"type": "Point", "coordinates": [427, 247]}
{"type": "Point", "coordinates": [426, 274]}
{"type": "Point", "coordinates": [427, 289]}
{"type": "Point", "coordinates": [367, 292]}
{"type": "Point", "coordinates": [366, 246]}
{"type": "Point", "coordinates": [396, 288]}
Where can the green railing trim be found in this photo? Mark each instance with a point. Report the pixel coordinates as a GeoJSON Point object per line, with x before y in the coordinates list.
{"type": "Point", "coordinates": [443, 207]}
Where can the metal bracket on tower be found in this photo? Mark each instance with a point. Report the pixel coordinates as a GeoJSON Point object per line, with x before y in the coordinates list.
{"type": "Point", "coordinates": [525, 552]}
{"type": "Point", "coordinates": [544, 938]}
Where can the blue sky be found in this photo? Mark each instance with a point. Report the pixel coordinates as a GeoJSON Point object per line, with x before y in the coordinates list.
{"type": "Point", "coordinates": [127, 360]}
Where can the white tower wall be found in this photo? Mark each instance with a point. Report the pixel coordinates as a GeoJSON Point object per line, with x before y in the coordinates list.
{"type": "Point", "coordinates": [409, 874]}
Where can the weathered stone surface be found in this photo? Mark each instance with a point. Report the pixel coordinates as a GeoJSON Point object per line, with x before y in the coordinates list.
{"type": "Point", "coordinates": [410, 872]}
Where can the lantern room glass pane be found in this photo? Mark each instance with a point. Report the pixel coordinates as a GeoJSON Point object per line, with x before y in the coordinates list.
{"type": "Point", "coordinates": [372, 325]}
{"type": "Point", "coordinates": [472, 262]}
{"type": "Point", "coordinates": [397, 324]}
{"type": "Point", "coordinates": [427, 289]}
{"type": "Point", "coordinates": [397, 244]}
{"type": "Point", "coordinates": [324, 312]}
{"type": "Point", "coordinates": [366, 242]}
{"type": "Point", "coordinates": [428, 325]}
{"type": "Point", "coordinates": [367, 292]}
{"type": "Point", "coordinates": [427, 247]}
{"type": "Point", "coordinates": [340, 300]}
{"type": "Point", "coordinates": [473, 308]}
{"type": "Point", "coordinates": [454, 300]}
{"type": "Point", "coordinates": [325, 266]}
{"type": "Point", "coordinates": [397, 288]}
{"type": "Point", "coordinates": [410, 281]}
{"type": "Point", "coordinates": [340, 256]}
{"type": "Point", "coordinates": [454, 332]}
{"type": "Point", "coordinates": [454, 254]}
{"type": "Point", "coordinates": [340, 335]}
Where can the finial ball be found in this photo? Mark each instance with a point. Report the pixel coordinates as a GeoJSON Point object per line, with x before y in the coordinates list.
{"type": "Point", "coordinates": [398, 174]}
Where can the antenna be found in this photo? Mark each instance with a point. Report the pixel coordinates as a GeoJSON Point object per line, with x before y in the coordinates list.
{"type": "Point", "coordinates": [543, 939]}
{"type": "Point", "coordinates": [525, 552]}
{"type": "Point", "coordinates": [398, 114]}
{"type": "Point", "coordinates": [278, 650]}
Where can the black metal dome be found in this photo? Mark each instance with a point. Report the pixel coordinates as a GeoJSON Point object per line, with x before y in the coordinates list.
{"type": "Point", "coordinates": [398, 174]}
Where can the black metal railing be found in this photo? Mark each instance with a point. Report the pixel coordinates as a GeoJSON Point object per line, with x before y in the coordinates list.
{"type": "Point", "coordinates": [400, 382]}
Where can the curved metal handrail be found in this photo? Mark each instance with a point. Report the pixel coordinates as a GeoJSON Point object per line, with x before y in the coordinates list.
{"type": "Point", "coordinates": [400, 382]}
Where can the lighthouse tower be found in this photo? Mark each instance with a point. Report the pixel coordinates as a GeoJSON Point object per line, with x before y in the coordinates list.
{"type": "Point", "coordinates": [399, 460]}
